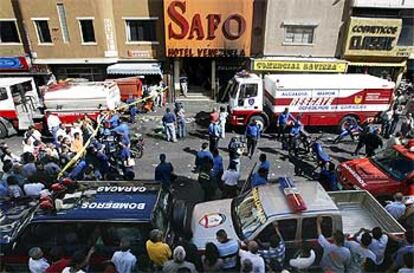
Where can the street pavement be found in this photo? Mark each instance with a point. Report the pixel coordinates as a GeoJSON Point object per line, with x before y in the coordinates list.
{"type": "Point", "coordinates": [182, 153]}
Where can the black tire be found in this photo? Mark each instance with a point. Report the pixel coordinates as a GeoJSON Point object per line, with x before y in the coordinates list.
{"type": "Point", "coordinates": [181, 216]}
{"type": "Point", "coordinates": [345, 120]}
{"type": "Point", "coordinates": [137, 151]}
{"type": "Point", "coordinates": [3, 131]}
{"type": "Point", "coordinates": [260, 120]}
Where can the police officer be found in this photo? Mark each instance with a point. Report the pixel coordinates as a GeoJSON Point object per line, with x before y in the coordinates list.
{"type": "Point", "coordinates": [252, 134]}
{"type": "Point", "coordinates": [235, 151]}
{"type": "Point", "coordinates": [168, 121]}
{"type": "Point", "coordinates": [372, 142]}
{"type": "Point", "coordinates": [214, 133]}
{"type": "Point", "coordinates": [294, 136]}
{"type": "Point", "coordinates": [282, 122]}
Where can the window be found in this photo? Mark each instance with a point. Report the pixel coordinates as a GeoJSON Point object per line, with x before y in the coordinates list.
{"type": "Point", "coordinates": [394, 163]}
{"type": "Point", "coordinates": [112, 233]}
{"type": "Point", "coordinates": [299, 34]}
{"type": "Point", "coordinates": [8, 32]}
{"type": "Point", "coordinates": [140, 30]}
{"type": "Point", "coordinates": [63, 23]}
{"type": "Point", "coordinates": [267, 233]}
{"type": "Point", "coordinates": [249, 214]}
{"type": "Point", "coordinates": [18, 91]}
{"type": "Point", "coordinates": [71, 236]}
{"type": "Point", "coordinates": [309, 228]}
{"type": "Point", "coordinates": [287, 229]}
{"type": "Point", "coordinates": [3, 93]}
{"type": "Point", "coordinates": [87, 31]}
{"type": "Point", "coordinates": [43, 32]}
{"type": "Point", "coordinates": [248, 91]}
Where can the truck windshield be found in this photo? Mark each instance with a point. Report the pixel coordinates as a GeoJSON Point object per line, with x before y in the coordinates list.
{"type": "Point", "coordinates": [233, 89]}
{"type": "Point", "coordinates": [395, 164]}
{"type": "Point", "coordinates": [248, 213]}
{"type": "Point", "coordinates": [248, 90]}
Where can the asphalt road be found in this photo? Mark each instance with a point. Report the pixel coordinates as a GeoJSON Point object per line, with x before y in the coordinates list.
{"type": "Point", "coordinates": [182, 154]}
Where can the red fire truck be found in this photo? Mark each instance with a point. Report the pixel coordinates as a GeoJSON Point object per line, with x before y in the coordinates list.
{"type": "Point", "coordinates": [21, 106]}
{"type": "Point", "coordinates": [321, 99]}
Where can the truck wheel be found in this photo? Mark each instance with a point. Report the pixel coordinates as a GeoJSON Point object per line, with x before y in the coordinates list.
{"type": "Point", "coordinates": [181, 216]}
{"type": "Point", "coordinates": [261, 121]}
{"type": "Point", "coordinates": [345, 121]}
{"type": "Point", "coordinates": [3, 131]}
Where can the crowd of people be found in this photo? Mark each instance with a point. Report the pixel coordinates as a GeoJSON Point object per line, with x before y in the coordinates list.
{"type": "Point", "coordinates": [108, 157]}
{"type": "Point", "coordinates": [44, 159]}
{"type": "Point", "coordinates": [366, 251]}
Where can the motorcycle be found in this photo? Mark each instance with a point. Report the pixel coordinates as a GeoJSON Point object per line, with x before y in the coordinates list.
{"type": "Point", "coordinates": [350, 129]}
{"type": "Point", "coordinates": [318, 153]}
{"type": "Point", "coordinates": [299, 144]}
{"type": "Point", "coordinates": [137, 146]}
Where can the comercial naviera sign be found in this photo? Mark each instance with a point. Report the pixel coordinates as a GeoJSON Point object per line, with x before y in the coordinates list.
{"type": "Point", "coordinates": [298, 66]}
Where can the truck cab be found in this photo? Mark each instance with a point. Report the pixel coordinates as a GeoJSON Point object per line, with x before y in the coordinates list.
{"type": "Point", "coordinates": [257, 214]}
{"type": "Point", "coordinates": [94, 215]}
{"type": "Point", "coordinates": [246, 99]}
{"type": "Point", "coordinates": [19, 104]}
{"type": "Point", "coordinates": [388, 172]}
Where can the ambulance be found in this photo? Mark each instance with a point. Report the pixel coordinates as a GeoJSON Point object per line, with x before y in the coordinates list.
{"type": "Point", "coordinates": [320, 99]}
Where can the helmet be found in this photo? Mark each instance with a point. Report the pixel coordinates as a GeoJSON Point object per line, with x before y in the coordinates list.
{"type": "Point", "coordinates": [67, 181]}
{"type": "Point", "coordinates": [57, 187]}
{"type": "Point", "coordinates": [46, 205]}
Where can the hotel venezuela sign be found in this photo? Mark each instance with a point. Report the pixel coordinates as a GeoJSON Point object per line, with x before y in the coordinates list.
{"type": "Point", "coordinates": [372, 37]}
{"type": "Point", "coordinates": [208, 28]}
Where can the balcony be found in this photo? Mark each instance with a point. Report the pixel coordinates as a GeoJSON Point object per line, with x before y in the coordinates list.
{"type": "Point", "coordinates": [390, 4]}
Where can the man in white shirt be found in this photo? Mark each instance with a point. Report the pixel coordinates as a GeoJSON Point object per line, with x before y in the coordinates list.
{"type": "Point", "coordinates": [33, 189]}
{"type": "Point", "coordinates": [396, 208]}
{"type": "Point", "coordinates": [61, 131]}
{"type": "Point", "coordinates": [37, 264]}
{"type": "Point", "coordinates": [53, 123]}
{"type": "Point", "coordinates": [379, 243]}
{"type": "Point", "coordinates": [123, 259]}
{"type": "Point", "coordinates": [33, 134]}
{"type": "Point", "coordinates": [254, 256]}
{"type": "Point", "coordinates": [230, 179]}
{"type": "Point", "coordinates": [360, 253]}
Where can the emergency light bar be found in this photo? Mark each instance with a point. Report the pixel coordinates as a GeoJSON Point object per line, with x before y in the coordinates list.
{"type": "Point", "coordinates": [292, 194]}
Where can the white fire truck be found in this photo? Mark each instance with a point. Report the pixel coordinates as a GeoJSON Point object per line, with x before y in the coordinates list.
{"type": "Point", "coordinates": [321, 99]}
{"type": "Point", "coordinates": [21, 105]}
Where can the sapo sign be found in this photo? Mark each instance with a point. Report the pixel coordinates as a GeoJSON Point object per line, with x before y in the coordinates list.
{"type": "Point", "coordinates": [372, 37]}
{"type": "Point", "coordinates": [208, 28]}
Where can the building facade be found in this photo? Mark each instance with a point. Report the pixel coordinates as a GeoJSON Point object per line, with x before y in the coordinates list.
{"type": "Point", "coordinates": [206, 42]}
{"type": "Point", "coordinates": [82, 38]}
{"type": "Point", "coordinates": [14, 57]}
{"type": "Point", "coordinates": [301, 36]}
{"type": "Point", "coordinates": [379, 37]}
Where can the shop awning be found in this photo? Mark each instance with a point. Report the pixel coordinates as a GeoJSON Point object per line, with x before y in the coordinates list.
{"type": "Point", "coordinates": [374, 64]}
{"type": "Point", "coordinates": [134, 69]}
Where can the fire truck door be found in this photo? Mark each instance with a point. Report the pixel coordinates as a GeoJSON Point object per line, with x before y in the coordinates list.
{"type": "Point", "coordinates": [25, 116]}
{"type": "Point", "coordinates": [23, 107]}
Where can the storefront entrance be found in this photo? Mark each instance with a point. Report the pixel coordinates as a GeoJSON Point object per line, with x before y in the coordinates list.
{"type": "Point", "coordinates": [198, 72]}
{"type": "Point", "coordinates": [206, 77]}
